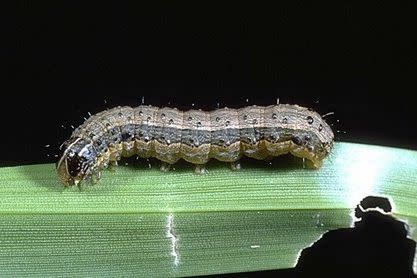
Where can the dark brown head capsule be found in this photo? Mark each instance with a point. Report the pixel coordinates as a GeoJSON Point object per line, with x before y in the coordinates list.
{"type": "Point", "coordinates": [76, 161]}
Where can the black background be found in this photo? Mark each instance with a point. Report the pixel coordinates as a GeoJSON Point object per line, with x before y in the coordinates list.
{"type": "Point", "coordinates": [65, 60]}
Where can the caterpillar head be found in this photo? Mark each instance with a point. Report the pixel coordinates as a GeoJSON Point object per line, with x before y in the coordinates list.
{"type": "Point", "coordinates": [76, 162]}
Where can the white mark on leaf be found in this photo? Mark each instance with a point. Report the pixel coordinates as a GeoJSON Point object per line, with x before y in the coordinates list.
{"type": "Point", "coordinates": [170, 233]}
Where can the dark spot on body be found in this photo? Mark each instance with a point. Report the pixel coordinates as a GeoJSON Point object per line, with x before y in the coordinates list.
{"type": "Point", "coordinates": [310, 120]}
{"type": "Point", "coordinates": [296, 140]}
{"type": "Point", "coordinates": [126, 136]}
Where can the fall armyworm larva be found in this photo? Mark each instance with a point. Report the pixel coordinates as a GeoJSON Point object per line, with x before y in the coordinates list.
{"type": "Point", "coordinates": [195, 136]}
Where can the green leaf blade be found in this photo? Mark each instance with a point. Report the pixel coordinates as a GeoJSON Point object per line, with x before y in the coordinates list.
{"type": "Point", "coordinates": [139, 221]}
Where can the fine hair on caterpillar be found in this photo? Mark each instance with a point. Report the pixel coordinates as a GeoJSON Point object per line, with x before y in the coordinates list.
{"type": "Point", "coordinates": [168, 134]}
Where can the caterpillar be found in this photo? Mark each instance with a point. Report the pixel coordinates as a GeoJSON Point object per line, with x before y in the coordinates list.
{"type": "Point", "coordinates": [196, 136]}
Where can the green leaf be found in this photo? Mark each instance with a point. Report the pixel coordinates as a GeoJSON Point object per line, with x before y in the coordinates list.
{"type": "Point", "coordinates": [140, 221]}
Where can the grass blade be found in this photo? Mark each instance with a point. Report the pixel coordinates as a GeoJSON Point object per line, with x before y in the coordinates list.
{"type": "Point", "coordinates": [141, 221]}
